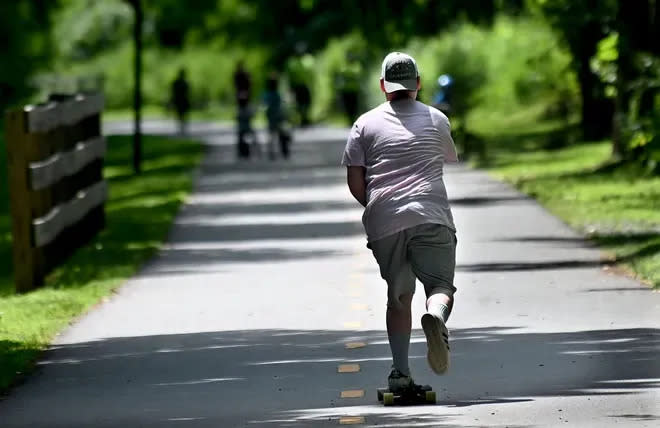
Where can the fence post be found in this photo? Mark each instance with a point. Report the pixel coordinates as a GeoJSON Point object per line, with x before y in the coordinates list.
{"type": "Point", "coordinates": [29, 263]}
{"type": "Point", "coordinates": [57, 192]}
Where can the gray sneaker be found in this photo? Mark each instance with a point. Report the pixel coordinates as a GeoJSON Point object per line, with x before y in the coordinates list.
{"type": "Point", "coordinates": [437, 341]}
{"type": "Point", "coordinates": [397, 381]}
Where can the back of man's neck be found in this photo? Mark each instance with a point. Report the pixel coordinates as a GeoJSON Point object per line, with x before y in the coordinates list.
{"type": "Point", "coordinates": [400, 95]}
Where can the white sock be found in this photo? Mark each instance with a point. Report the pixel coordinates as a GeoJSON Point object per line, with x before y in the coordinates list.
{"type": "Point", "coordinates": [439, 310]}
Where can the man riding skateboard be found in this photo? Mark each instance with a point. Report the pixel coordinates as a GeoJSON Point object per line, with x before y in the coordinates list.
{"type": "Point", "coordinates": [394, 157]}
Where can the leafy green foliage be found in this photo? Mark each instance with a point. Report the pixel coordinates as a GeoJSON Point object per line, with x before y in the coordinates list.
{"type": "Point", "coordinates": [642, 123]}
{"type": "Point", "coordinates": [516, 65]}
{"type": "Point", "coordinates": [604, 63]}
{"type": "Point", "coordinates": [210, 36]}
{"type": "Point", "coordinates": [638, 119]}
{"type": "Point", "coordinates": [617, 42]}
{"type": "Point", "coordinates": [85, 28]}
{"type": "Point", "coordinates": [331, 64]}
{"type": "Point", "coordinates": [582, 24]}
{"type": "Point", "coordinates": [457, 54]}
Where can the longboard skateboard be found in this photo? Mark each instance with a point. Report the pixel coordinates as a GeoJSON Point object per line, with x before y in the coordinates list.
{"type": "Point", "coordinates": [421, 394]}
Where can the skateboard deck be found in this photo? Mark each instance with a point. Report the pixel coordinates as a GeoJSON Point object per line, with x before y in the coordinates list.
{"type": "Point", "coordinates": [422, 394]}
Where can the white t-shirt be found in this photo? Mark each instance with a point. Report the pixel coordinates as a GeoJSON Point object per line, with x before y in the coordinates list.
{"type": "Point", "coordinates": [403, 144]}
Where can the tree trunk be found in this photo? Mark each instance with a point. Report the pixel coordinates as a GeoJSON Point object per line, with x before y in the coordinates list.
{"type": "Point", "coordinates": [597, 110]}
{"type": "Point", "coordinates": [137, 95]}
{"type": "Point", "coordinates": [636, 27]}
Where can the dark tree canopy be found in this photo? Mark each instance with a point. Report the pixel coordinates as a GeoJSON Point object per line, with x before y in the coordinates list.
{"type": "Point", "coordinates": [25, 46]}
{"type": "Point", "coordinates": [291, 26]}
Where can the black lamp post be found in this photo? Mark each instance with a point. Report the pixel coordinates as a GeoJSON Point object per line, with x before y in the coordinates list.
{"type": "Point", "coordinates": [137, 94]}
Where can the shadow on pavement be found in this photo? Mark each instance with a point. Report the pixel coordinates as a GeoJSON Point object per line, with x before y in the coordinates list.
{"type": "Point", "coordinates": [250, 212]}
{"type": "Point", "coordinates": [289, 377]}
{"type": "Point", "coordinates": [526, 266]}
{"type": "Point", "coordinates": [483, 201]}
{"type": "Point", "coordinates": [180, 261]}
{"type": "Point", "coordinates": [633, 417]}
{"type": "Point", "coordinates": [577, 240]}
{"type": "Point", "coordinates": [312, 230]}
{"type": "Point", "coordinates": [267, 208]}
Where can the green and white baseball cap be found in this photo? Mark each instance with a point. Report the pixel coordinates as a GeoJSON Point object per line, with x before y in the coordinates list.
{"type": "Point", "coordinates": [399, 72]}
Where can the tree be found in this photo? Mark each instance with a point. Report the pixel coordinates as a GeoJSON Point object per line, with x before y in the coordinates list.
{"type": "Point", "coordinates": [638, 72]}
{"type": "Point", "coordinates": [24, 31]}
{"type": "Point", "coordinates": [628, 62]}
{"type": "Point", "coordinates": [582, 25]}
{"type": "Point", "coordinates": [288, 27]}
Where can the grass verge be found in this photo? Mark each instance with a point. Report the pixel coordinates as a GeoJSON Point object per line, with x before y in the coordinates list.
{"type": "Point", "coordinates": [616, 206]}
{"type": "Point", "coordinates": [139, 211]}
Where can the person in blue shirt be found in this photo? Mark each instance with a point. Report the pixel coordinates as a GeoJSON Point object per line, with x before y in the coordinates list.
{"type": "Point", "coordinates": [442, 97]}
{"type": "Point", "coordinates": [275, 116]}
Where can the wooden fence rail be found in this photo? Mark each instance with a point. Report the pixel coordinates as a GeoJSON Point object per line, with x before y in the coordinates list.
{"type": "Point", "coordinates": [56, 186]}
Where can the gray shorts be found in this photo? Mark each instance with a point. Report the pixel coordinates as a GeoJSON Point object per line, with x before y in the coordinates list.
{"type": "Point", "coordinates": [426, 252]}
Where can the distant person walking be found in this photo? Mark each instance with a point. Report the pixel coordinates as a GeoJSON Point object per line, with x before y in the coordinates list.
{"type": "Point", "coordinates": [181, 100]}
{"type": "Point", "coordinates": [242, 82]}
{"type": "Point", "coordinates": [247, 138]}
{"type": "Point", "coordinates": [275, 116]}
{"type": "Point", "coordinates": [394, 157]}
{"type": "Point", "coordinates": [443, 95]}
{"type": "Point", "coordinates": [243, 87]}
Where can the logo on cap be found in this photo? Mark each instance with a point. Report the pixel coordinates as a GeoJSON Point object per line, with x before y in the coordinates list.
{"type": "Point", "coordinates": [399, 72]}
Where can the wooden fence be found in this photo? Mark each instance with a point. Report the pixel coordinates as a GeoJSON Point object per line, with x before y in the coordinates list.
{"type": "Point", "coordinates": [56, 186]}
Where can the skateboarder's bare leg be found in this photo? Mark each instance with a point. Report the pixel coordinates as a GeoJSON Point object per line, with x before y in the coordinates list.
{"type": "Point", "coordinates": [399, 324]}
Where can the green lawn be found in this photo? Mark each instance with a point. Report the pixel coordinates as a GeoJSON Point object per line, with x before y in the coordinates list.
{"type": "Point", "coordinates": [139, 212]}
{"type": "Point", "coordinates": [617, 207]}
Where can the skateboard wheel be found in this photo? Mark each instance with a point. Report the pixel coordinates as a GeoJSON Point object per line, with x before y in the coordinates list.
{"type": "Point", "coordinates": [388, 398]}
{"type": "Point", "coordinates": [430, 397]}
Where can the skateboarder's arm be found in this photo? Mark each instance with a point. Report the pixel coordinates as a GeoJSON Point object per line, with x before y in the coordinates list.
{"type": "Point", "coordinates": [357, 183]}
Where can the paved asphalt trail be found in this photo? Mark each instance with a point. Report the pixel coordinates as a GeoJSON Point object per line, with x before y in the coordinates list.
{"type": "Point", "coordinates": [245, 316]}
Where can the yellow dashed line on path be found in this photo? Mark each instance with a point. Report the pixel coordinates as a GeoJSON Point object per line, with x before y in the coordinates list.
{"type": "Point", "coordinates": [351, 420]}
{"type": "Point", "coordinates": [353, 324]}
{"type": "Point", "coordinates": [359, 306]}
{"type": "Point", "coordinates": [354, 345]}
{"type": "Point", "coordinates": [353, 393]}
{"type": "Point", "coordinates": [348, 368]}
{"type": "Point", "coordinates": [354, 293]}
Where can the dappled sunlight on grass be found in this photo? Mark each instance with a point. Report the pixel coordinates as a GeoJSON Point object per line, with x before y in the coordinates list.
{"type": "Point", "coordinates": [617, 208]}
{"type": "Point", "coordinates": [551, 163]}
{"type": "Point", "coordinates": [139, 213]}
{"type": "Point", "coordinates": [486, 121]}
